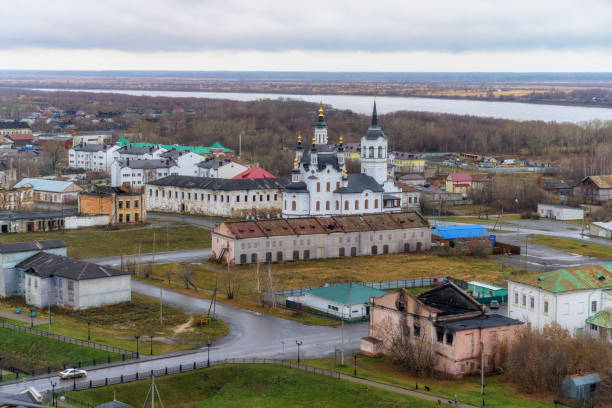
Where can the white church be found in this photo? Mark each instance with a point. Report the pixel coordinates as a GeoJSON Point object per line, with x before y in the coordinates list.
{"type": "Point", "coordinates": [320, 184]}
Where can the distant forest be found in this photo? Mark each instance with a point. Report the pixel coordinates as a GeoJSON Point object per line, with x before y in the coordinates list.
{"type": "Point", "coordinates": [270, 128]}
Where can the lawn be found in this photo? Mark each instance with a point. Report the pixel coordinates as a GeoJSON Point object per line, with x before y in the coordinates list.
{"type": "Point", "coordinates": [102, 242]}
{"type": "Point", "coordinates": [573, 246]}
{"type": "Point", "coordinates": [499, 393]}
{"type": "Point", "coordinates": [251, 385]}
{"type": "Point", "coordinates": [36, 351]}
{"type": "Point", "coordinates": [116, 325]}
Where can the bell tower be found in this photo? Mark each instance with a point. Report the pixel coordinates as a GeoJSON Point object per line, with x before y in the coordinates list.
{"type": "Point", "coordinates": [374, 151]}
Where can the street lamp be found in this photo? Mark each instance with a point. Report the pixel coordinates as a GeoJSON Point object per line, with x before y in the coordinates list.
{"type": "Point", "coordinates": [53, 401]}
{"type": "Point", "coordinates": [151, 336]}
{"type": "Point", "coordinates": [299, 343]}
{"type": "Point", "coordinates": [208, 344]}
{"type": "Point", "coordinates": [137, 336]}
{"type": "Point", "coordinates": [31, 319]}
{"type": "Point", "coordinates": [355, 370]}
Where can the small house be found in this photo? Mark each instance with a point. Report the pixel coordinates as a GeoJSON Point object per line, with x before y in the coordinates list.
{"type": "Point", "coordinates": [601, 229]}
{"type": "Point", "coordinates": [581, 386]}
{"type": "Point", "coordinates": [349, 301]}
{"type": "Point", "coordinates": [560, 212]}
{"type": "Point", "coordinates": [52, 191]}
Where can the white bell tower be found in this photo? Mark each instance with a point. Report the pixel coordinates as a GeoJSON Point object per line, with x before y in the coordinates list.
{"type": "Point", "coordinates": [374, 152]}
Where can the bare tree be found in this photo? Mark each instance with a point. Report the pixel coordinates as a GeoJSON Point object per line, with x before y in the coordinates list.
{"type": "Point", "coordinates": [409, 349]}
{"type": "Point", "coordinates": [230, 281]}
{"type": "Point", "coordinates": [54, 155]}
{"type": "Point", "coordinates": [186, 273]}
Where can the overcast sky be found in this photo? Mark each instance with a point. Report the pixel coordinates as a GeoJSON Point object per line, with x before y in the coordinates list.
{"type": "Point", "coordinates": [355, 35]}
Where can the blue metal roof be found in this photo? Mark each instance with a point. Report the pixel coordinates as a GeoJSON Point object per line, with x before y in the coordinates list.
{"type": "Point", "coordinates": [459, 231]}
{"type": "Point", "coordinates": [54, 186]}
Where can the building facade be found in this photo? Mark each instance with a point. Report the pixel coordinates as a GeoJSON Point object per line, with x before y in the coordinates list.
{"type": "Point", "coordinates": [97, 137]}
{"type": "Point", "coordinates": [133, 152]}
{"type": "Point", "coordinates": [560, 212]}
{"type": "Point", "coordinates": [569, 297]}
{"type": "Point", "coordinates": [445, 322]}
{"type": "Point", "coordinates": [300, 238]}
{"type": "Point", "coordinates": [93, 157]}
{"type": "Point", "coordinates": [137, 173]}
{"type": "Point", "coordinates": [321, 186]}
{"type": "Point", "coordinates": [596, 188]}
{"type": "Point", "coordinates": [220, 168]}
{"type": "Point", "coordinates": [52, 191]}
{"type": "Point", "coordinates": [215, 196]}
{"type": "Point", "coordinates": [14, 128]}
{"type": "Point", "coordinates": [17, 199]}
{"type": "Point", "coordinates": [8, 175]}
{"type": "Point", "coordinates": [121, 207]}
{"type": "Point", "coordinates": [186, 162]}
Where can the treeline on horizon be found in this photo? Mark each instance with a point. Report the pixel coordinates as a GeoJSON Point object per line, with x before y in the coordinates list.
{"type": "Point", "coordinates": [269, 128]}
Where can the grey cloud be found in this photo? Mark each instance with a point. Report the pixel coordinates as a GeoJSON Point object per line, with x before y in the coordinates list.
{"type": "Point", "coordinates": [266, 25]}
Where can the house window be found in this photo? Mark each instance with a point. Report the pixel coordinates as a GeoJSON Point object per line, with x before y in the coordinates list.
{"type": "Point", "coordinates": [136, 201]}
{"type": "Point", "coordinates": [135, 217]}
{"type": "Point", "coordinates": [524, 303]}
{"type": "Point", "coordinates": [253, 258]}
{"type": "Point", "coordinates": [238, 200]}
{"type": "Point", "coordinates": [296, 255]}
{"type": "Point", "coordinates": [594, 306]}
{"type": "Point", "coordinates": [341, 252]}
{"type": "Point", "coordinates": [127, 203]}
{"type": "Point", "coordinates": [120, 205]}
{"type": "Point", "coordinates": [356, 204]}
{"type": "Point", "coordinates": [275, 197]}
{"type": "Point", "coordinates": [337, 205]}
{"type": "Point", "coordinates": [293, 205]}
{"type": "Point", "coordinates": [593, 327]}
{"type": "Point", "coordinates": [416, 330]}
{"type": "Point", "coordinates": [182, 194]}
{"type": "Point", "coordinates": [516, 298]}
{"type": "Point", "coordinates": [279, 256]}
{"type": "Point", "coordinates": [346, 205]}
{"type": "Point", "coordinates": [306, 254]}
{"type": "Point", "coordinates": [318, 206]}
{"type": "Point", "coordinates": [120, 218]}
{"type": "Point", "coordinates": [327, 205]}
{"type": "Point", "coordinates": [531, 302]}
{"type": "Point", "coordinates": [337, 185]}
{"type": "Point", "coordinates": [449, 338]}
{"type": "Point", "coordinates": [268, 256]}
{"type": "Point", "coordinates": [545, 307]}
{"type": "Point", "coordinates": [376, 203]}
{"type": "Point", "coordinates": [267, 197]}
{"type": "Point", "coordinates": [318, 187]}
{"type": "Point", "coordinates": [365, 205]}
{"type": "Point", "coordinates": [440, 335]}
{"type": "Point", "coordinates": [328, 186]}
{"type": "Point", "coordinates": [150, 192]}
{"type": "Point", "coordinates": [374, 250]}
{"type": "Point", "coordinates": [35, 283]}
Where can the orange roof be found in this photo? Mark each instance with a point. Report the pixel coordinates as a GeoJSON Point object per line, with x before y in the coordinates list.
{"type": "Point", "coordinates": [254, 173]}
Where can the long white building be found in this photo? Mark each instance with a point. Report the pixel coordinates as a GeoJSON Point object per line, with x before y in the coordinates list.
{"type": "Point", "coordinates": [215, 196]}
{"type": "Point", "coordinates": [320, 184]}
{"type": "Point", "coordinates": [578, 299]}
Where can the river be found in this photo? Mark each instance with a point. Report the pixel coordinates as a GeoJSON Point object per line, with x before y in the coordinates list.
{"type": "Point", "coordinates": [388, 104]}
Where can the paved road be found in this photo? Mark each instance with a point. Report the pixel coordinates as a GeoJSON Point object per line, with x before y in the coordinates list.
{"type": "Point", "coordinates": [193, 255]}
{"type": "Point", "coordinates": [206, 222]}
{"type": "Point", "coordinates": [251, 335]}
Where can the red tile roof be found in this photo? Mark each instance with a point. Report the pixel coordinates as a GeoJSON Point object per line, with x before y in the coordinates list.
{"type": "Point", "coordinates": [460, 177]}
{"type": "Point", "coordinates": [254, 173]}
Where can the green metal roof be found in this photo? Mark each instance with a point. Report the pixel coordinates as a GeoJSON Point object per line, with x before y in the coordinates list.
{"type": "Point", "coordinates": [565, 280]}
{"type": "Point", "coordinates": [194, 149]}
{"type": "Point", "coordinates": [347, 293]}
{"type": "Point", "coordinates": [601, 319]}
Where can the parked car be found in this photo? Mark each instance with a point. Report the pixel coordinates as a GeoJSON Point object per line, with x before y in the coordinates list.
{"type": "Point", "coordinates": [72, 373]}
{"type": "Point", "coordinates": [494, 304]}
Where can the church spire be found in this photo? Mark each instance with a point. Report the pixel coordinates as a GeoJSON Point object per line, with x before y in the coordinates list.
{"type": "Point", "coordinates": [374, 115]}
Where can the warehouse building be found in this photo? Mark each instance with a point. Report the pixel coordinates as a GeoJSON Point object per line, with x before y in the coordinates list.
{"type": "Point", "coordinates": [560, 212]}
{"type": "Point", "coordinates": [215, 196]}
{"type": "Point", "coordinates": [276, 240]}
{"type": "Point", "coordinates": [601, 229]}
{"type": "Point", "coordinates": [463, 236]}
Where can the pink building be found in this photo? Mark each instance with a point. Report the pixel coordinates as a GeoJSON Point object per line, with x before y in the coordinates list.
{"type": "Point", "coordinates": [445, 319]}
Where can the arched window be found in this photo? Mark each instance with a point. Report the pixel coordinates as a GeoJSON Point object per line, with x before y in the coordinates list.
{"type": "Point", "coordinates": [380, 152]}
{"type": "Point", "coordinates": [318, 206]}
{"type": "Point", "coordinates": [293, 205]}
{"type": "Point", "coordinates": [376, 203]}
{"type": "Point", "coordinates": [285, 205]}
{"type": "Point", "coordinates": [356, 204]}
{"type": "Point", "coordinates": [371, 150]}
{"type": "Point", "coordinates": [365, 205]}
{"type": "Point", "coordinates": [346, 204]}
{"type": "Point", "coordinates": [327, 205]}
{"type": "Point", "coordinates": [337, 205]}
{"type": "Point", "coordinates": [318, 187]}
{"type": "Point", "coordinates": [328, 185]}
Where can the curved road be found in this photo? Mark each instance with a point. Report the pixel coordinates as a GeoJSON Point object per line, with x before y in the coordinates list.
{"type": "Point", "coordinates": [252, 335]}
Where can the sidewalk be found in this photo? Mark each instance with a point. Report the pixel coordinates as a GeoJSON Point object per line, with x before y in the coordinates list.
{"type": "Point", "coordinates": [24, 317]}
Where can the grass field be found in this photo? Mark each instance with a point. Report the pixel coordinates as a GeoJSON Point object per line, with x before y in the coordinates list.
{"type": "Point", "coordinates": [499, 393]}
{"type": "Point", "coordinates": [573, 246]}
{"type": "Point", "coordinates": [116, 325]}
{"type": "Point", "coordinates": [37, 351]}
{"type": "Point", "coordinates": [252, 385]}
{"type": "Point", "coordinates": [101, 242]}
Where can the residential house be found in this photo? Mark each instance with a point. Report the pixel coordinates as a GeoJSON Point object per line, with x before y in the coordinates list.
{"type": "Point", "coordinates": [8, 175]}
{"type": "Point", "coordinates": [406, 162]}
{"type": "Point", "coordinates": [596, 188]}
{"type": "Point", "coordinates": [14, 128]}
{"type": "Point", "coordinates": [275, 240]}
{"type": "Point", "coordinates": [444, 320]}
{"type": "Point", "coordinates": [70, 283]}
{"type": "Point", "coordinates": [21, 139]}
{"type": "Point", "coordinates": [464, 182]}
{"type": "Point", "coordinates": [410, 197]}
{"type": "Point", "coordinates": [17, 199]}
{"type": "Point", "coordinates": [93, 157]}
{"type": "Point", "coordinates": [253, 173]}
{"type": "Point", "coordinates": [11, 283]}
{"type": "Point", "coordinates": [122, 207]}
{"type": "Point", "coordinates": [560, 212]}
{"type": "Point", "coordinates": [413, 179]}
{"type": "Point", "coordinates": [186, 161]}
{"type": "Point", "coordinates": [561, 189]}
{"type": "Point", "coordinates": [215, 196]}
{"type": "Point", "coordinates": [97, 137]}
{"type": "Point", "coordinates": [134, 152]}
{"type": "Point", "coordinates": [348, 301]}
{"type": "Point", "coordinates": [137, 173]}
{"type": "Point", "coordinates": [52, 191]}
{"type": "Point", "coordinates": [220, 168]}
{"type": "Point", "coordinates": [577, 298]}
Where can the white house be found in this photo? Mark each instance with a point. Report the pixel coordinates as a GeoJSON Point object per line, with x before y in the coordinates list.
{"type": "Point", "coordinates": [137, 173]}
{"type": "Point", "coordinates": [571, 297]}
{"type": "Point", "coordinates": [186, 161]}
{"type": "Point", "coordinates": [61, 281]}
{"type": "Point", "coordinates": [560, 212]}
{"type": "Point", "coordinates": [11, 284]}
{"type": "Point", "coordinates": [131, 152]}
{"type": "Point", "coordinates": [320, 184]}
{"type": "Point", "coordinates": [215, 196]}
{"type": "Point", "coordinates": [93, 157]}
{"type": "Point", "coordinates": [601, 229]}
{"type": "Point", "coordinates": [348, 301]}
{"type": "Point", "coordinates": [220, 168]}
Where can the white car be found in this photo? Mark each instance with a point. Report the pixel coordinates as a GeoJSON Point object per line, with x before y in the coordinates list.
{"type": "Point", "coordinates": [72, 373]}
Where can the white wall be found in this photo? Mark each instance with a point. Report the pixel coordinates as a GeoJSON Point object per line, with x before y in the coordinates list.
{"type": "Point", "coordinates": [81, 221]}
{"type": "Point", "coordinates": [353, 311]}
{"type": "Point", "coordinates": [560, 213]}
{"type": "Point", "coordinates": [104, 291]}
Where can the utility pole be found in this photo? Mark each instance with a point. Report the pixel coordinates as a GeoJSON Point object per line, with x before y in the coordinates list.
{"type": "Point", "coordinates": [482, 361]}
{"type": "Point", "coordinates": [153, 259]}
{"type": "Point", "coordinates": [161, 308]}
{"type": "Point", "coordinates": [525, 260]}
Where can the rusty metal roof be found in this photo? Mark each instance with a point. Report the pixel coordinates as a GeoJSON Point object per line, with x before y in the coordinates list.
{"type": "Point", "coordinates": [303, 226]}
{"type": "Point", "coordinates": [352, 223]}
{"type": "Point", "coordinates": [245, 229]}
{"type": "Point", "coordinates": [565, 280]}
{"type": "Point", "coordinates": [604, 181]}
{"type": "Point", "coordinates": [380, 222]}
{"type": "Point", "coordinates": [275, 227]}
{"type": "Point", "coordinates": [410, 219]}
